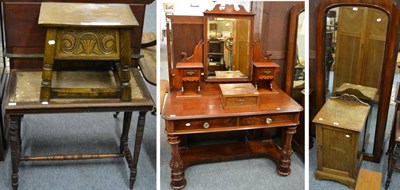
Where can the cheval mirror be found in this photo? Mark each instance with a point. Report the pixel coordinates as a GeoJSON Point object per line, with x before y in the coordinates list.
{"type": "Point", "coordinates": [295, 81]}
{"type": "Point", "coordinates": [356, 54]}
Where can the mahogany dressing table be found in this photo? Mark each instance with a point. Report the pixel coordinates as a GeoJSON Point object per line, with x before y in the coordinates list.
{"type": "Point", "coordinates": [199, 127]}
{"type": "Point", "coordinates": [27, 93]}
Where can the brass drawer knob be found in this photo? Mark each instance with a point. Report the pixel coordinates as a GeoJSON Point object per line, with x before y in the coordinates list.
{"type": "Point", "coordinates": [206, 125]}
{"type": "Point", "coordinates": [267, 72]}
{"type": "Point", "coordinates": [268, 120]}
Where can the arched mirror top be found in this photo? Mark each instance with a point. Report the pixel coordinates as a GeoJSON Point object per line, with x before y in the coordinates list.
{"type": "Point", "coordinates": [228, 37]}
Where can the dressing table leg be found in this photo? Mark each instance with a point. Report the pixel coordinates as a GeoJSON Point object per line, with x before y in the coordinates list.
{"type": "Point", "coordinates": [178, 180]}
{"type": "Point", "coordinates": [15, 124]}
{"type": "Point", "coordinates": [287, 151]}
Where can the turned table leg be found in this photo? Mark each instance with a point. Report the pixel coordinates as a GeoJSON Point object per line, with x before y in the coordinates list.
{"type": "Point", "coordinates": [287, 151]}
{"type": "Point", "coordinates": [124, 148]}
{"type": "Point", "coordinates": [15, 124]}
{"type": "Point", "coordinates": [178, 180]}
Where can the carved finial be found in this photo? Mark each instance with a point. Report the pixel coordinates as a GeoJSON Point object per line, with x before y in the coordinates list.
{"type": "Point", "coordinates": [228, 9]}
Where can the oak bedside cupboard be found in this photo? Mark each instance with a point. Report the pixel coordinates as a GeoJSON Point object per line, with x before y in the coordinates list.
{"type": "Point", "coordinates": [339, 124]}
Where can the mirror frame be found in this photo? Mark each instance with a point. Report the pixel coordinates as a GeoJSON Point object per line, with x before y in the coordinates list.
{"type": "Point", "coordinates": [388, 67]}
{"type": "Point", "coordinates": [228, 12]}
{"type": "Point", "coordinates": [295, 12]}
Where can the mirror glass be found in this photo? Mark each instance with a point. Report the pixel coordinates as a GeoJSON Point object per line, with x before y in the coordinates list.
{"type": "Point", "coordinates": [298, 79]}
{"type": "Point", "coordinates": [228, 47]}
{"type": "Point", "coordinates": [355, 40]}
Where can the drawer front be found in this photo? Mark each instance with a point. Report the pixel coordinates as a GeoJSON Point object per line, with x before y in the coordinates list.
{"type": "Point", "coordinates": [191, 74]}
{"type": "Point", "coordinates": [266, 119]}
{"type": "Point", "coordinates": [266, 73]}
{"type": "Point", "coordinates": [240, 101]}
{"type": "Point", "coordinates": [193, 124]}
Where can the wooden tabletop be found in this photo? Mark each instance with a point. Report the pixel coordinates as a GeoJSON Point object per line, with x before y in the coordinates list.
{"type": "Point", "coordinates": [209, 105]}
{"type": "Point", "coordinates": [343, 114]}
{"type": "Point", "coordinates": [87, 14]}
{"type": "Point", "coordinates": [24, 90]}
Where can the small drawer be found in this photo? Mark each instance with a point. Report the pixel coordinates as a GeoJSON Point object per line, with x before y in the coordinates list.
{"type": "Point", "coordinates": [266, 119]}
{"type": "Point", "coordinates": [193, 124]}
{"type": "Point", "coordinates": [240, 101]}
{"type": "Point", "coordinates": [190, 74]}
{"type": "Point", "coordinates": [266, 73]}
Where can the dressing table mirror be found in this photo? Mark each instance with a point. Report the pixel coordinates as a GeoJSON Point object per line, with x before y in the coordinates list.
{"type": "Point", "coordinates": [229, 44]}
{"type": "Point", "coordinates": [356, 52]}
{"type": "Point", "coordinates": [222, 94]}
{"type": "Point", "coordinates": [295, 79]}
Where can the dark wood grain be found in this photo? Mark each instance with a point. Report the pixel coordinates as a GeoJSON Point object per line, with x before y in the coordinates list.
{"type": "Point", "coordinates": [187, 31]}
{"type": "Point", "coordinates": [387, 75]}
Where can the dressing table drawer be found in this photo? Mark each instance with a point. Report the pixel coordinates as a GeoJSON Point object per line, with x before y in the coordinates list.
{"type": "Point", "coordinates": [193, 124]}
{"type": "Point", "coordinates": [190, 74]}
{"type": "Point", "coordinates": [266, 73]}
{"type": "Point", "coordinates": [267, 119]}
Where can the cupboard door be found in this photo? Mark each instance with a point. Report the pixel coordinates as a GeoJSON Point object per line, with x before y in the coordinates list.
{"type": "Point", "coordinates": [337, 150]}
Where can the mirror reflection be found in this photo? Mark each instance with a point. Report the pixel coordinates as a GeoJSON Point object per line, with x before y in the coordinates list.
{"type": "Point", "coordinates": [298, 79]}
{"type": "Point", "coordinates": [354, 51]}
{"type": "Point", "coordinates": [228, 47]}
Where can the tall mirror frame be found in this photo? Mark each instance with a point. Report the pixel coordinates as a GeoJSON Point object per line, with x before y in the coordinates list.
{"type": "Point", "coordinates": [388, 67]}
{"type": "Point", "coordinates": [228, 12]}
{"type": "Point", "coordinates": [292, 43]}
{"type": "Point", "coordinates": [292, 58]}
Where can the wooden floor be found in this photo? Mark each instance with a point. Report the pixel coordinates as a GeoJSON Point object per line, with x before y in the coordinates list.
{"type": "Point", "coordinates": [368, 180]}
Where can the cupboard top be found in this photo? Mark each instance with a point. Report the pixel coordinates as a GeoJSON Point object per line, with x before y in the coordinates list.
{"type": "Point", "coordinates": [345, 114]}
{"type": "Point", "coordinates": [87, 15]}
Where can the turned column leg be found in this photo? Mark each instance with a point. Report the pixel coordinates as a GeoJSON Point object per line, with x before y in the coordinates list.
{"type": "Point", "coordinates": [124, 148]}
{"type": "Point", "coordinates": [178, 180]}
{"type": "Point", "coordinates": [48, 62]}
{"type": "Point", "coordinates": [125, 43]}
{"type": "Point", "coordinates": [287, 151]}
{"type": "Point", "coordinates": [391, 165]}
{"type": "Point", "coordinates": [15, 148]}
{"type": "Point", "coordinates": [138, 143]}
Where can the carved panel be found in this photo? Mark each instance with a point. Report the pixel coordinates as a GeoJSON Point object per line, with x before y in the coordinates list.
{"type": "Point", "coordinates": [87, 44]}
